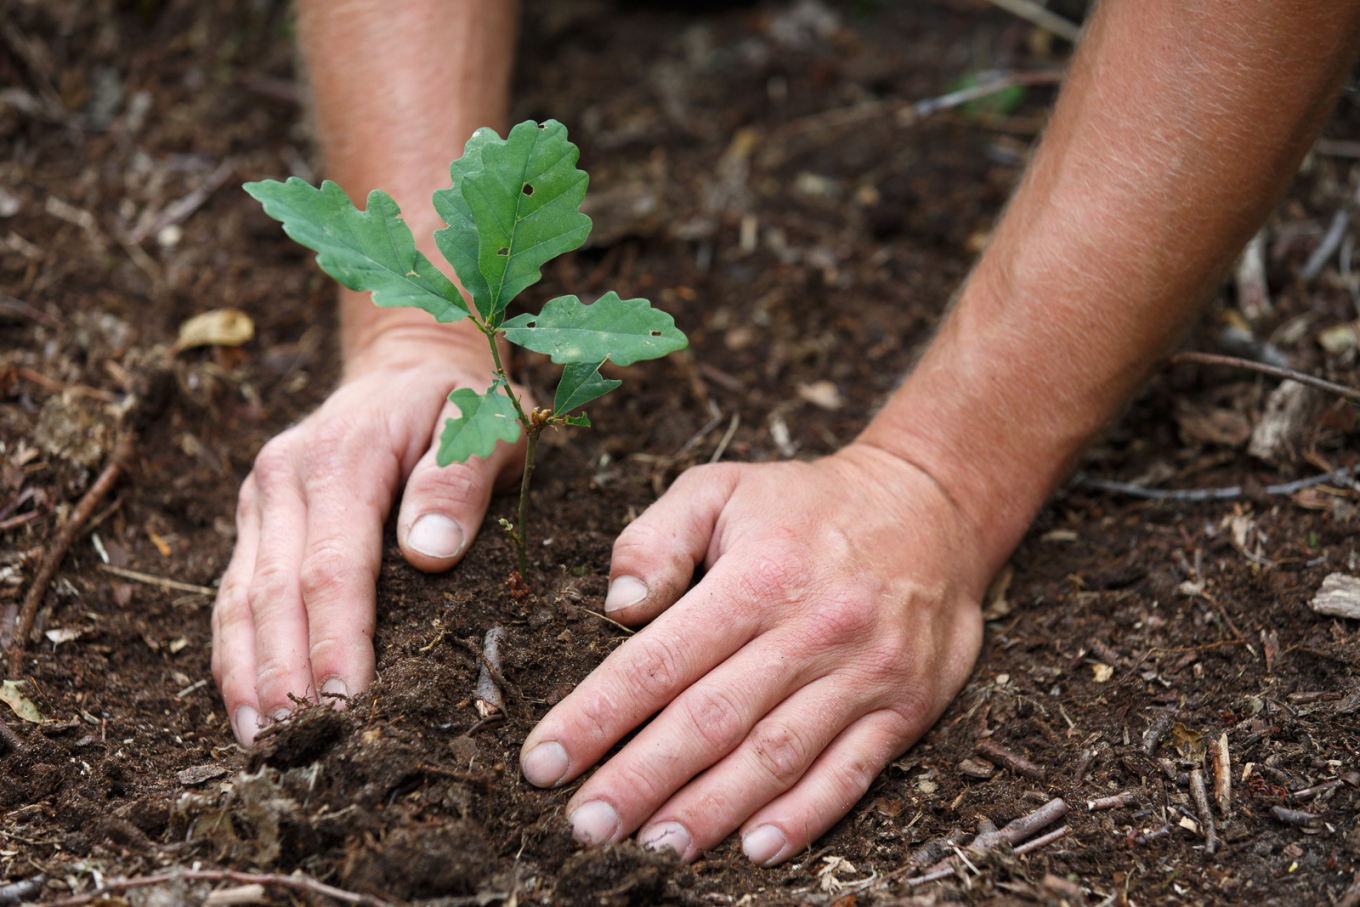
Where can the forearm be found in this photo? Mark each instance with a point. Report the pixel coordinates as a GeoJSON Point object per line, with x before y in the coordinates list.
{"type": "Point", "coordinates": [398, 88]}
{"type": "Point", "coordinates": [1179, 127]}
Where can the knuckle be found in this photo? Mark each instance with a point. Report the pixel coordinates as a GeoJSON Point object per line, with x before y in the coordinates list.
{"type": "Point", "coordinates": [657, 666]}
{"type": "Point", "coordinates": [844, 612]}
{"type": "Point", "coordinates": [456, 483]}
{"type": "Point", "coordinates": [913, 706]}
{"type": "Point", "coordinates": [274, 461]}
{"type": "Point", "coordinates": [643, 786]}
{"type": "Point", "coordinates": [268, 590]}
{"type": "Point", "coordinates": [276, 677]}
{"type": "Point", "coordinates": [324, 570]}
{"type": "Point", "coordinates": [780, 753]}
{"type": "Point", "coordinates": [716, 719]}
{"type": "Point", "coordinates": [778, 573]}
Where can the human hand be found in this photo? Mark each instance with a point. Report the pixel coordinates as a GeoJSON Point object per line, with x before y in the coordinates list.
{"type": "Point", "coordinates": [838, 615]}
{"type": "Point", "coordinates": [296, 607]}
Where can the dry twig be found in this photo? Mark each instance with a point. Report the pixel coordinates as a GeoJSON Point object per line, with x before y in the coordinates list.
{"type": "Point", "coordinates": [122, 453]}
{"type": "Point", "coordinates": [22, 890]}
{"type": "Point", "coordinates": [1037, 14]}
{"type": "Point", "coordinates": [1274, 371]}
{"type": "Point", "coordinates": [1206, 817]}
{"type": "Point", "coordinates": [995, 752]}
{"type": "Point", "coordinates": [153, 580]}
{"type": "Point", "coordinates": [1156, 731]}
{"type": "Point", "coordinates": [1115, 801]}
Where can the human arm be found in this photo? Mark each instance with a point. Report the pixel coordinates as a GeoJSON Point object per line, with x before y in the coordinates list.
{"type": "Point", "coordinates": [398, 88]}
{"type": "Point", "coordinates": [838, 613]}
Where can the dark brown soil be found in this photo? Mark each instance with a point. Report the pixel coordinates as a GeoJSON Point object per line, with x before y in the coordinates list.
{"type": "Point", "coordinates": [862, 227]}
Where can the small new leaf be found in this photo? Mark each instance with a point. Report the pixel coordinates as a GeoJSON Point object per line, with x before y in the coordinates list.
{"type": "Point", "coordinates": [582, 420]}
{"type": "Point", "coordinates": [623, 331]}
{"type": "Point", "coordinates": [483, 420]}
{"type": "Point", "coordinates": [581, 382]}
{"type": "Point", "coordinates": [370, 250]}
{"type": "Point", "coordinates": [523, 200]}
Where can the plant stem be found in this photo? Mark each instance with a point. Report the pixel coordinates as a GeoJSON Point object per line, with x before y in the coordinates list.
{"type": "Point", "coordinates": [523, 538]}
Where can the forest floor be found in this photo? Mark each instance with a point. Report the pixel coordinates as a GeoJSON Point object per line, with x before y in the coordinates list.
{"type": "Point", "coordinates": [758, 173]}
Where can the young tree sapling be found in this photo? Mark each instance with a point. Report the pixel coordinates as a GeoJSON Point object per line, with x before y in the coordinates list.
{"type": "Point", "coordinates": [513, 206]}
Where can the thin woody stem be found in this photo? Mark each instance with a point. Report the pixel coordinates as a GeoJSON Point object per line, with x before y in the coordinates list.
{"type": "Point", "coordinates": [520, 538]}
{"type": "Point", "coordinates": [523, 536]}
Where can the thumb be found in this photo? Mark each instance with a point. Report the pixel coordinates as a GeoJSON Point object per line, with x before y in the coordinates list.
{"type": "Point", "coordinates": [655, 555]}
{"type": "Point", "coordinates": [442, 506]}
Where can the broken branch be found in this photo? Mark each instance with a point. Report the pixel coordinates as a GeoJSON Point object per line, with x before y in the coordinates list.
{"type": "Point", "coordinates": [1206, 818]}
{"type": "Point", "coordinates": [1274, 371]}
{"type": "Point", "coordinates": [122, 453]}
{"type": "Point", "coordinates": [995, 752]}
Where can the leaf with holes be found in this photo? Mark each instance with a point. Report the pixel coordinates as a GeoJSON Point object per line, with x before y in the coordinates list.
{"type": "Point", "coordinates": [623, 331]}
{"type": "Point", "coordinates": [581, 382]}
{"type": "Point", "coordinates": [460, 241]}
{"type": "Point", "coordinates": [483, 419]}
{"type": "Point", "coordinates": [523, 199]}
{"type": "Point", "coordinates": [370, 250]}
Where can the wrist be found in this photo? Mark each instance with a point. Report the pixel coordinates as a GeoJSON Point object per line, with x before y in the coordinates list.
{"type": "Point", "coordinates": [375, 339]}
{"type": "Point", "coordinates": [993, 423]}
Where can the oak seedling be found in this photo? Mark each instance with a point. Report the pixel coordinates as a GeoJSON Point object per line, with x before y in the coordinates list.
{"type": "Point", "coordinates": [513, 206]}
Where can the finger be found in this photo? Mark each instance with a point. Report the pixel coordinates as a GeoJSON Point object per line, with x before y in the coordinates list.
{"type": "Point", "coordinates": [655, 555]}
{"type": "Point", "coordinates": [233, 627]}
{"type": "Point", "coordinates": [346, 509]}
{"type": "Point", "coordinates": [442, 506]}
{"type": "Point", "coordinates": [703, 724]}
{"type": "Point", "coordinates": [831, 787]}
{"type": "Point", "coordinates": [281, 636]}
{"type": "Point", "coordinates": [640, 678]}
{"type": "Point", "coordinates": [772, 757]}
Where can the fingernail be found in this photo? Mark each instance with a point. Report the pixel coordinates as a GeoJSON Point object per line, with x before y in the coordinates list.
{"type": "Point", "coordinates": [667, 834]}
{"type": "Point", "coordinates": [280, 714]}
{"type": "Point", "coordinates": [594, 823]}
{"type": "Point", "coordinates": [763, 845]}
{"type": "Point", "coordinates": [546, 764]}
{"type": "Point", "coordinates": [246, 723]}
{"type": "Point", "coordinates": [435, 535]}
{"type": "Point", "coordinates": [334, 691]}
{"type": "Point", "coordinates": [624, 592]}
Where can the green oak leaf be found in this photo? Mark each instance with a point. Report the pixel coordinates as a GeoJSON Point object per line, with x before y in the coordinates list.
{"type": "Point", "coordinates": [524, 201]}
{"type": "Point", "coordinates": [620, 330]}
{"type": "Point", "coordinates": [370, 250]}
{"type": "Point", "coordinates": [459, 241]}
{"type": "Point", "coordinates": [483, 420]}
{"type": "Point", "coordinates": [581, 382]}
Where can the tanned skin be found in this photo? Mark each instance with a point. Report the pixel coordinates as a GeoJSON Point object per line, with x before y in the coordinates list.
{"type": "Point", "coordinates": [839, 610]}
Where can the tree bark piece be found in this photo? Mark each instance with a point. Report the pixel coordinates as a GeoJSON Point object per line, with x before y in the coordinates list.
{"type": "Point", "coordinates": [1276, 437]}
{"type": "Point", "coordinates": [1156, 731]}
{"type": "Point", "coordinates": [1338, 596]}
{"type": "Point", "coordinates": [1223, 776]}
{"type": "Point", "coordinates": [489, 699]}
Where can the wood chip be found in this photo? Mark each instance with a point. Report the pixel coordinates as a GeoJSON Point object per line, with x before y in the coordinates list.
{"type": "Point", "coordinates": [201, 774]}
{"type": "Point", "coordinates": [976, 768]}
{"type": "Point", "coordinates": [1338, 596]}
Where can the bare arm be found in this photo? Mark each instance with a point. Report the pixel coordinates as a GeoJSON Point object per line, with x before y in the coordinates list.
{"type": "Point", "coordinates": [1178, 130]}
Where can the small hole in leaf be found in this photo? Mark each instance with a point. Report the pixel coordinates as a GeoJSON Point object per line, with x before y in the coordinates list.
{"type": "Point", "coordinates": [529, 324]}
{"type": "Point", "coordinates": [503, 251]}
{"type": "Point", "coordinates": [528, 190]}
{"type": "Point", "coordinates": [656, 333]}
